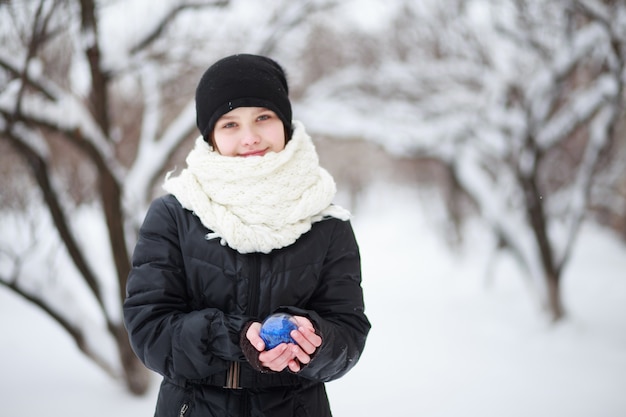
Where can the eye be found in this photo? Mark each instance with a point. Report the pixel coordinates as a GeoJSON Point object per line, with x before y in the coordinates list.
{"type": "Point", "coordinates": [264, 117]}
{"type": "Point", "coordinates": [229, 125]}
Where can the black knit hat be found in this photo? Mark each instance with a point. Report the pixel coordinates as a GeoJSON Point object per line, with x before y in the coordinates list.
{"type": "Point", "coordinates": [241, 81]}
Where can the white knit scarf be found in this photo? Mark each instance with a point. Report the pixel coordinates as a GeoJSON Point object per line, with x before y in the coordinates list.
{"type": "Point", "coordinates": [257, 204]}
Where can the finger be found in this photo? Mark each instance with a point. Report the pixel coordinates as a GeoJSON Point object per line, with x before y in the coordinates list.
{"type": "Point", "coordinates": [307, 329]}
{"type": "Point", "coordinates": [304, 322]}
{"type": "Point", "coordinates": [253, 336]}
{"type": "Point", "coordinates": [277, 358]}
{"type": "Point", "coordinates": [302, 341]}
{"type": "Point", "coordinates": [301, 355]}
{"type": "Point", "coordinates": [311, 336]}
{"type": "Point", "coordinates": [273, 354]}
{"type": "Point", "coordinates": [294, 366]}
{"type": "Point", "coordinates": [306, 339]}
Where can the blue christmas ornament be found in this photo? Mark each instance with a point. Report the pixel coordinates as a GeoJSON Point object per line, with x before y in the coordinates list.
{"type": "Point", "coordinates": [276, 329]}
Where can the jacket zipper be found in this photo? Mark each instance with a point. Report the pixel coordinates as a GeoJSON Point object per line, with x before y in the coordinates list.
{"type": "Point", "coordinates": [254, 288]}
{"type": "Point", "coordinates": [183, 410]}
{"type": "Point", "coordinates": [252, 309]}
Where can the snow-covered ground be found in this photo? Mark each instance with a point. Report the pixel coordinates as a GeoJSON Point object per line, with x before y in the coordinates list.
{"type": "Point", "coordinates": [445, 340]}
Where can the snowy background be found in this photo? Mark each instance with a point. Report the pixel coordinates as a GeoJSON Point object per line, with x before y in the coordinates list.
{"type": "Point", "coordinates": [447, 338]}
{"type": "Point", "coordinates": [445, 341]}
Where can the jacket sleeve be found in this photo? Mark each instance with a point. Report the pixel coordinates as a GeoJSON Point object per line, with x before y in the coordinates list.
{"type": "Point", "coordinates": [337, 309]}
{"type": "Point", "coordinates": [165, 332]}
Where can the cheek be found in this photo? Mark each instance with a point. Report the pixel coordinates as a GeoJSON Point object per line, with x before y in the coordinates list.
{"type": "Point", "coordinates": [278, 134]}
{"type": "Point", "coordinates": [224, 146]}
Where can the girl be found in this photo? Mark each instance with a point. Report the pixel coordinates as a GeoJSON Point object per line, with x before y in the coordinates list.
{"type": "Point", "coordinates": [247, 230]}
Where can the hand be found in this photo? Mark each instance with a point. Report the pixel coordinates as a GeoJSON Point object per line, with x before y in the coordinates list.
{"type": "Point", "coordinates": [307, 342]}
{"type": "Point", "coordinates": [287, 354]}
{"type": "Point", "coordinates": [275, 359]}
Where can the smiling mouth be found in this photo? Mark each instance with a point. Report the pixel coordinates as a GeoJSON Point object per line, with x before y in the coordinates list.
{"type": "Point", "coordinates": [254, 153]}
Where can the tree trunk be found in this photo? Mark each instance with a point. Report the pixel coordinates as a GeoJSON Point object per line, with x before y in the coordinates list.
{"type": "Point", "coordinates": [555, 305]}
{"type": "Point", "coordinates": [538, 221]}
{"type": "Point", "coordinates": [136, 375]}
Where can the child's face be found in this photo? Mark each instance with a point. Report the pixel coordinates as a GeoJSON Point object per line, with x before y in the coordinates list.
{"type": "Point", "coordinates": [249, 131]}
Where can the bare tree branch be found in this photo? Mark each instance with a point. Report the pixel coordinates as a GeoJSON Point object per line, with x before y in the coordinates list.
{"type": "Point", "coordinates": [74, 332]}
{"type": "Point", "coordinates": [37, 38]}
{"type": "Point", "coordinates": [14, 70]}
{"type": "Point", "coordinates": [40, 171]}
{"type": "Point", "coordinates": [168, 18]}
{"type": "Point", "coordinates": [286, 20]}
{"type": "Point", "coordinates": [99, 80]}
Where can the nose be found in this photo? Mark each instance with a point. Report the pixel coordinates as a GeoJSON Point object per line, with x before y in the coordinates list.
{"type": "Point", "coordinates": [250, 136]}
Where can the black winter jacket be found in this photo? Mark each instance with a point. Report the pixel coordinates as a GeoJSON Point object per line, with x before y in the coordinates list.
{"type": "Point", "coordinates": [188, 298]}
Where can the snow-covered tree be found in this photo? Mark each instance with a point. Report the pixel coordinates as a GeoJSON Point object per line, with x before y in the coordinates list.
{"type": "Point", "coordinates": [519, 99]}
{"type": "Point", "coordinates": [95, 99]}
